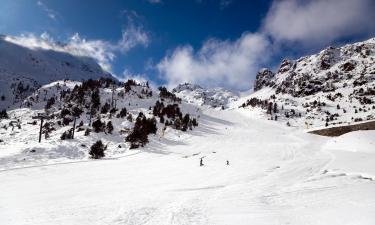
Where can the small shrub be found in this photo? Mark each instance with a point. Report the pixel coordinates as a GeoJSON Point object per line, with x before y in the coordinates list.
{"type": "Point", "coordinates": [4, 114]}
{"type": "Point", "coordinates": [98, 126]}
{"type": "Point", "coordinates": [87, 132]}
{"type": "Point", "coordinates": [67, 135]}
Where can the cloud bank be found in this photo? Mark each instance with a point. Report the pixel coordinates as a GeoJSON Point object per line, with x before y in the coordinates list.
{"type": "Point", "coordinates": [319, 22]}
{"type": "Point", "coordinates": [102, 51]}
{"type": "Point", "coordinates": [217, 63]}
{"type": "Point", "coordinates": [99, 50]}
{"type": "Point", "coordinates": [311, 24]}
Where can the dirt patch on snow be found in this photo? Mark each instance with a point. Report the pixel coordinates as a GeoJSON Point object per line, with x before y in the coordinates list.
{"type": "Point", "coordinates": [337, 131]}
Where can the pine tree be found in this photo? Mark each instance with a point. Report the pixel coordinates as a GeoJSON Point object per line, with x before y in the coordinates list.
{"type": "Point", "coordinates": [130, 118]}
{"type": "Point", "coordinates": [161, 119]}
{"type": "Point", "coordinates": [109, 127]}
{"type": "Point", "coordinates": [122, 113]}
{"type": "Point", "coordinates": [275, 110]}
{"type": "Point", "coordinates": [269, 109]}
{"type": "Point", "coordinates": [97, 150]}
{"type": "Point", "coordinates": [95, 99]}
{"type": "Point", "coordinates": [142, 127]}
{"type": "Point", "coordinates": [98, 126]}
{"type": "Point", "coordinates": [105, 108]}
{"type": "Point", "coordinates": [50, 102]}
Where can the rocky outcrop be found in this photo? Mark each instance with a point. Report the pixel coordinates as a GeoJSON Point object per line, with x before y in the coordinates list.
{"type": "Point", "coordinates": [264, 78]}
{"type": "Point", "coordinates": [333, 87]}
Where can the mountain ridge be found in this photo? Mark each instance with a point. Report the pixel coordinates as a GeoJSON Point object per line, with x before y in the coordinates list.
{"type": "Point", "coordinates": [334, 86]}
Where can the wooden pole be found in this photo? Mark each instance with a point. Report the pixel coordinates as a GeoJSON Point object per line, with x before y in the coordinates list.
{"type": "Point", "coordinates": [74, 127]}
{"type": "Point", "coordinates": [90, 116]}
{"type": "Point", "coordinates": [40, 131]}
{"type": "Point", "coordinates": [113, 90]}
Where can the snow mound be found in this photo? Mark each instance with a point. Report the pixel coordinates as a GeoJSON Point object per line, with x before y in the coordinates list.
{"type": "Point", "coordinates": [358, 141]}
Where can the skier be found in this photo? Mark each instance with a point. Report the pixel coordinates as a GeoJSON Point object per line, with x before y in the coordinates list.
{"type": "Point", "coordinates": [201, 162]}
{"type": "Point", "coordinates": [227, 162]}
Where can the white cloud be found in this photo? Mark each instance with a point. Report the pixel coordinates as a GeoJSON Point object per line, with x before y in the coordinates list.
{"type": "Point", "coordinates": [102, 51]}
{"type": "Point", "coordinates": [133, 36]}
{"type": "Point", "coordinates": [217, 63]}
{"type": "Point", "coordinates": [99, 50]}
{"type": "Point", "coordinates": [319, 22]}
{"type": "Point", "coordinates": [52, 14]}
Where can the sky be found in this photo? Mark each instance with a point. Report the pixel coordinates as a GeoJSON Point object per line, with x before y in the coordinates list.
{"type": "Point", "coordinates": [208, 42]}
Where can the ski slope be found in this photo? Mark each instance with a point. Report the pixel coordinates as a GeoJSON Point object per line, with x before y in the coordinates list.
{"type": "Point", "coordinates": [277, 175]}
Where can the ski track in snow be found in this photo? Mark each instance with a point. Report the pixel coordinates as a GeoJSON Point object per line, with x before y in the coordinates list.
{"type": "Point", "coordinates": [277, 175]}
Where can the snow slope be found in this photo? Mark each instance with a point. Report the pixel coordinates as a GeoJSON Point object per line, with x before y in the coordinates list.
{"type": "Point", "coordinates": [277, 175]}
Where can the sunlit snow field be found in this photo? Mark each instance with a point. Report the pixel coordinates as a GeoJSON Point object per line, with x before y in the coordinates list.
{"type": "Point", "coordinates": [276, 175]}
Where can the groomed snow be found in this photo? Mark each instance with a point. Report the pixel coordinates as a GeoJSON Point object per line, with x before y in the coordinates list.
{"type": "Point", "coordinates": [277, 175]}
{"type": "Point", "coordinates": [354, 154]}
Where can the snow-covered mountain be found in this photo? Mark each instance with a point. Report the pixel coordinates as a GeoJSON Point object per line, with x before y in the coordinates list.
{"type": "Point", "coordinates": [332, 87]}
{"type": "Point", "coordinates": [24, 69]}
{"type": "Point", "coordinates": [213, 97]}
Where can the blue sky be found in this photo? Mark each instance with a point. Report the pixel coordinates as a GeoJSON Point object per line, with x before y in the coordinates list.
{"type": "Point", "coordinates": [211, 42]}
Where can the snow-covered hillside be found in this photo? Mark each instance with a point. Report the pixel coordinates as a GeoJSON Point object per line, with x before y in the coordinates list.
{"type": "Point", "coordinates": [24, 69]}
{"type": "Point", "coordinates": [276, 175]}
{"type": "Point", "coordinates": [335, 86]}
{"type": "Point", "coordinates": [118, 104]}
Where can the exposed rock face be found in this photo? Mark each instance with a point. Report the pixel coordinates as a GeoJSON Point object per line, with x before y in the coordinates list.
{"type": "Point", "coordinates": [328, 58]}
{"type": "Point", "coordinates": [348, 66]}
{"type": "Point", "coordinates": [263, 78]}
{"type": "Point", "coordinates": [332, 68]}
{"type": "Point", "coordinates": [286, 65]}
